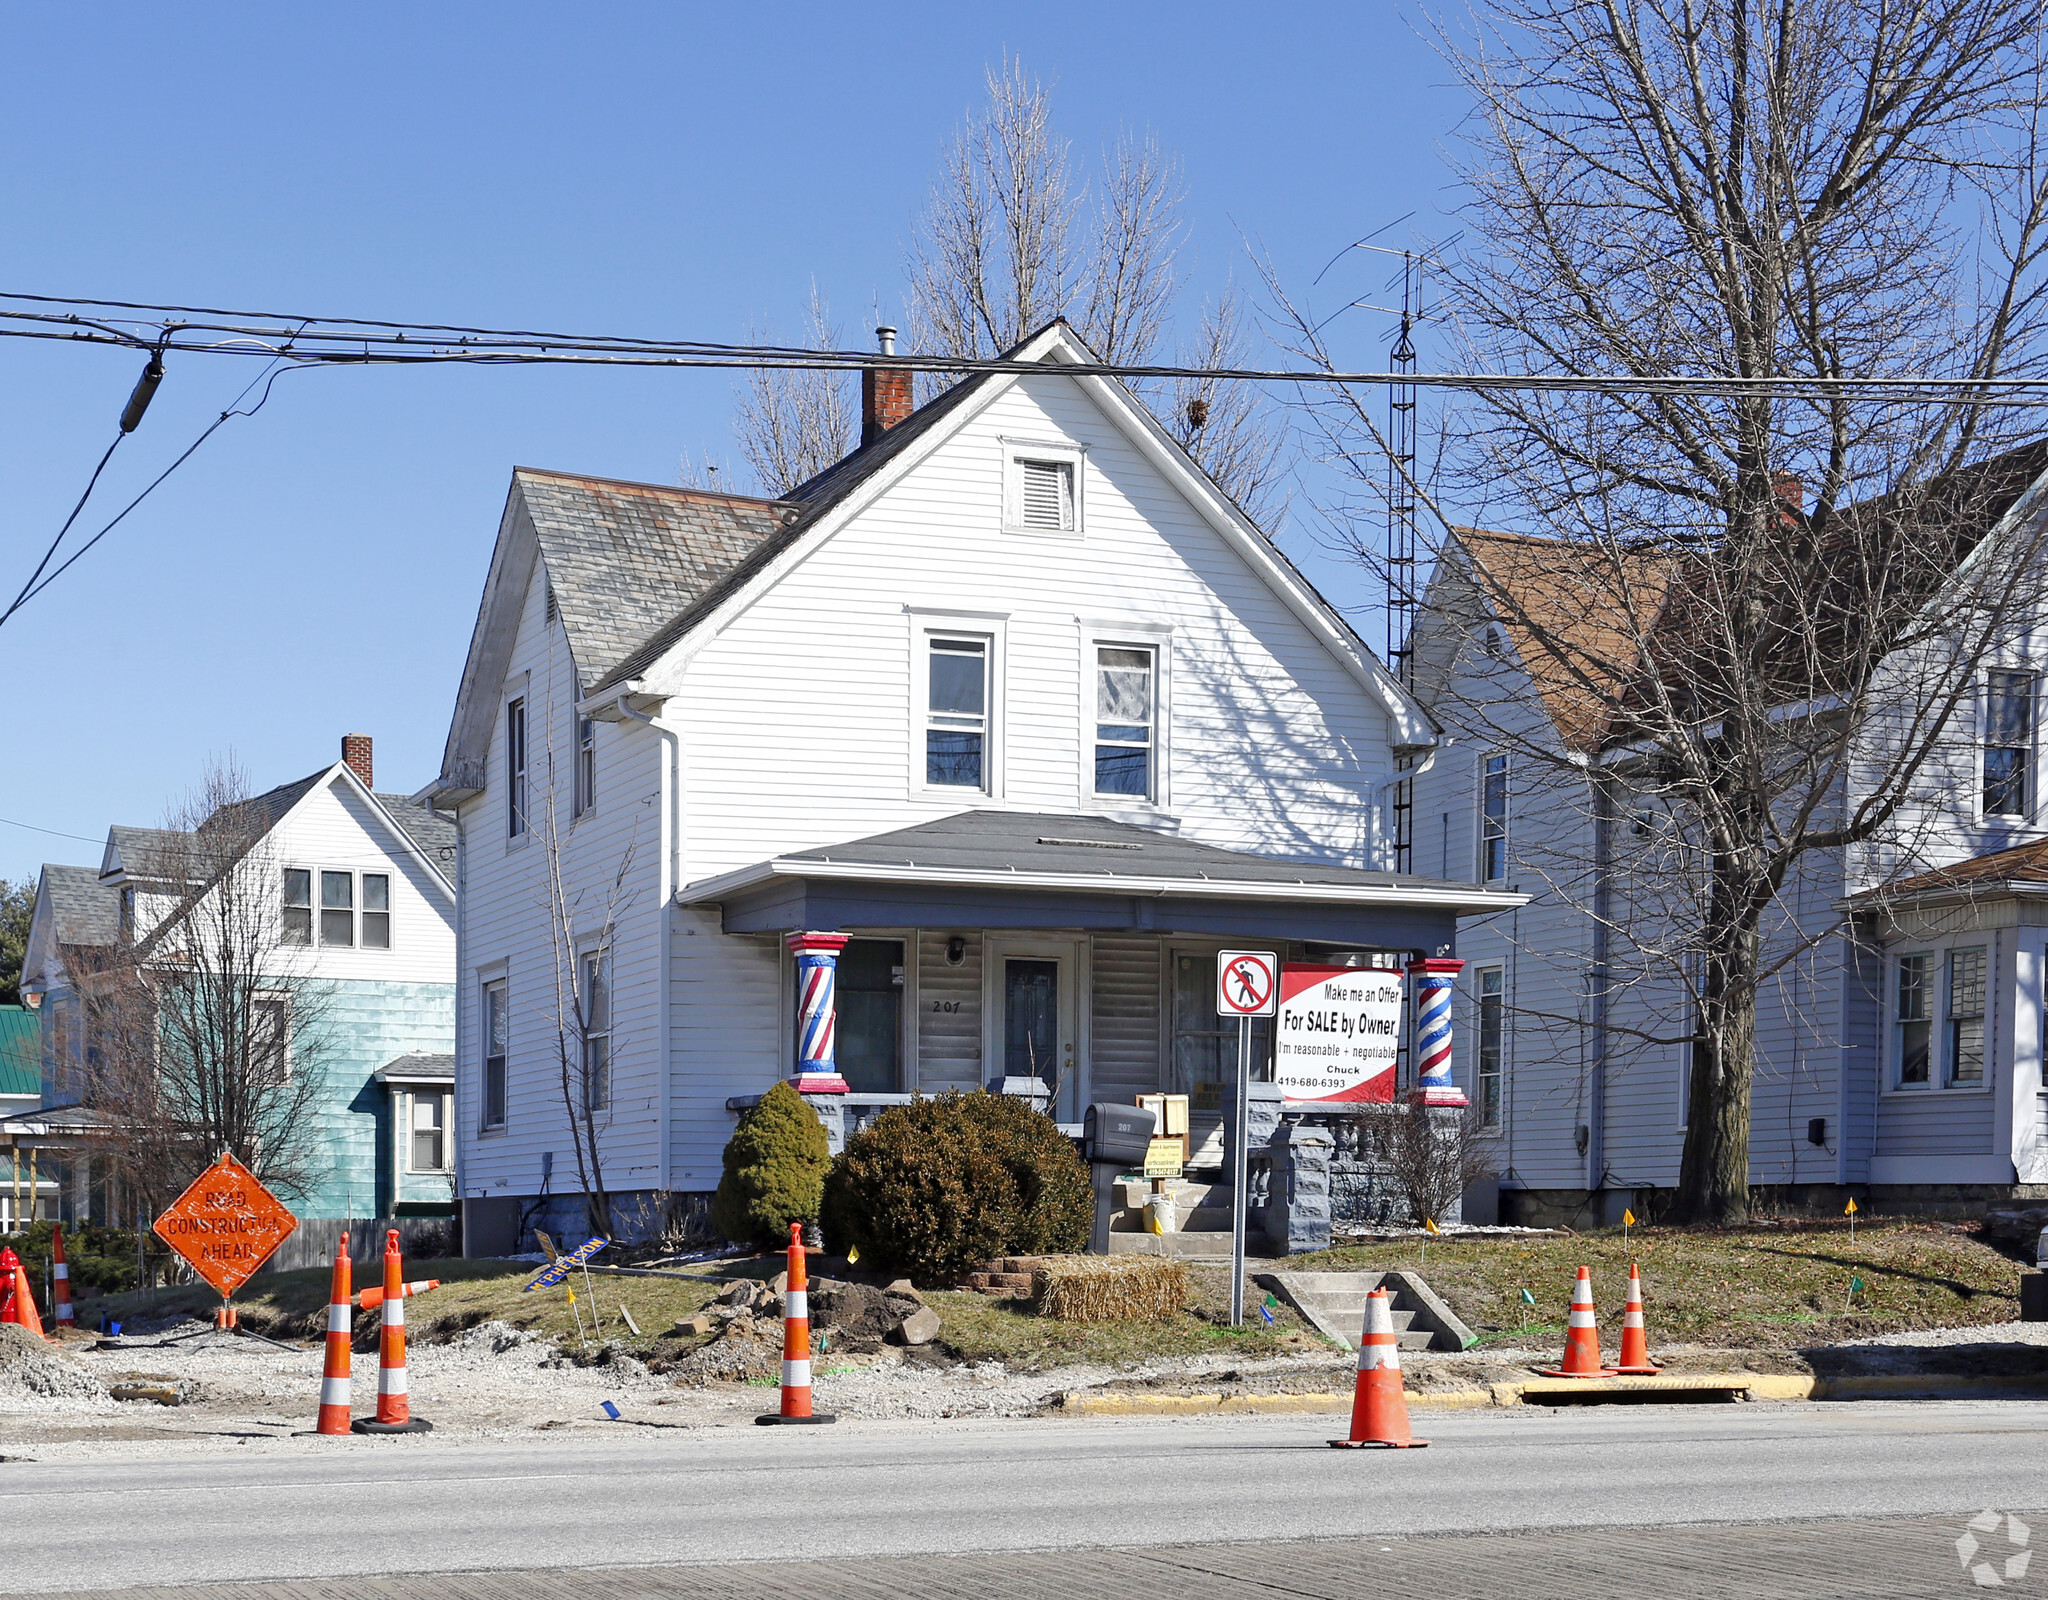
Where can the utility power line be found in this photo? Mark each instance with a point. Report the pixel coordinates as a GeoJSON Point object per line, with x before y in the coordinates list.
{"type": "Point", "coordinates": [347, 341]}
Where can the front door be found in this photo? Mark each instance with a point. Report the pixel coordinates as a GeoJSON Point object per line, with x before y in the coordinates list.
{"type": "Point", "coordinates": [1033, 1016]}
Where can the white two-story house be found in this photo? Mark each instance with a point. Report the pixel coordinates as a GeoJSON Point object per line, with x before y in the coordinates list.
{"type": "Point", "coordinates": [1899, 1049]}
{"type": "Point", "coordinates": [1011, 710]}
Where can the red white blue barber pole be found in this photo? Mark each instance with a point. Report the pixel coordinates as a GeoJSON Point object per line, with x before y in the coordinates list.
{"type": "Point", "coordinates": [817, 963]}
{"type": "Point", "coordinates": [1435, 978]}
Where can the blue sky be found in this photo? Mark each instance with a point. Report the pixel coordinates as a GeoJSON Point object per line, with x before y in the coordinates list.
{"type": "Point", "coordinates": [666, 170]}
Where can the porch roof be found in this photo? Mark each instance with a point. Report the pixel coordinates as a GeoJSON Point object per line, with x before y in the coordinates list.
{"type": "Point", "coordinates": [2021, 870]}
{"type": "Point", "coordinates": [1013, 869]}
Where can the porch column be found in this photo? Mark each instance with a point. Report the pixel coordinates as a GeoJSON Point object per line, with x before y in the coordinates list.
{"type": "Point", "coordinates": [817, 964]}
{"type": "Point", "coordinates": [1434, 978]}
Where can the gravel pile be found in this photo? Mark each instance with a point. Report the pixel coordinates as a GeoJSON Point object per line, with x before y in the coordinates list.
{"type": "Point", "coordinates": [1934, 1338]}
{"type": "Point", "coordinates": [35, 1376]}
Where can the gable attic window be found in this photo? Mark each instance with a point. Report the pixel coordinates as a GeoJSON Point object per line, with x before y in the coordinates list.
{"type": "Point", "coordinates": [548, 605]}
{"type": "Point", "coordinates": [1493, 818]}
{"type": "Point", "coordinates": [586, 764]}
{"type": "Point", "coordinates": [515, 768]}
{"type": "Point", "coordinates": [1046, 495]}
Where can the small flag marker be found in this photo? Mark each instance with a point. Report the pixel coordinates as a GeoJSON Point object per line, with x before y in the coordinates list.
{"type": "Point", "coordinates": [1850, 1212]}
{"type": "Point", "coordinates": [1628, 1221]}
{"type": "Point", "coordinates": [1856, 1287]}
{"type": "Point", "coordinates": [852, 1254]}
{"type": "Point", "coordinates": [1528, 1301]}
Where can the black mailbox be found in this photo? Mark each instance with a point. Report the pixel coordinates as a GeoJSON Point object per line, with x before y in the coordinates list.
{"type": "Point", "coordinates": [1115, 1135]}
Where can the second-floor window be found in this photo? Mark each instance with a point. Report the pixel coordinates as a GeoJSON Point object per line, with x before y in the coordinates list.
{"type": "Point", "coordinates": [956, 712]}
{"type": "Point", "coordinates": [343, 895]}
{"type": "Point", "coordinates": [586, 764]}
{"type": "Point", "coordinates": [1493, 818]}
{"type": "Point", "coordinates": [1124, 720]}
{"type": "Point", "coordinates": [497, 1041]}
{"type": "Point", "coordinates": [2008, 744]}
{"type": "Point", "coordinates": [515, 768]}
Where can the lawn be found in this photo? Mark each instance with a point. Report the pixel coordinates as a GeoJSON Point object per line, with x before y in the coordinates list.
{"type": "Point", "coordinates": [1769, 1285]}
{"type": "Point", "coordinates": [1772, 1284]}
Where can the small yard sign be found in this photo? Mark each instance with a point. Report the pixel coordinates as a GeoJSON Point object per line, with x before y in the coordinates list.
{"type": "Point", "coordinates": [1163, 1157]}
{"type": "Point", "coordinates": [226, 1224]}
{"type": "Point", "coordinates": [1339, 1033]}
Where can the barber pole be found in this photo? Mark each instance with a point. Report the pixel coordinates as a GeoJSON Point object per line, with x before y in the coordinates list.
{"type": "Point", "coordinates": [1435, 978]}
{"type": "Point", "coordinates": [60, 1282]}
{"type": "Point", "coordinates": [796, 1342]}
{"type": "Point", "coordinates": [394, 1405]}
{"type": "Point", "coordinates": [817, 965]}
{"type": "Point", "coordinates": [1582, 1337]}
{"type": "Point", "coordinates": [334, 1380]}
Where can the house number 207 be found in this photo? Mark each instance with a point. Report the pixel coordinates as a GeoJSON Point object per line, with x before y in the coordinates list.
{"type": "Point", "coordinates": [945, 1005]}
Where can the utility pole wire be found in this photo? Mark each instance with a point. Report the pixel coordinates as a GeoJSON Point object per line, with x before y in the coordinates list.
{"type": "Point", "coordinates": [22, 598]}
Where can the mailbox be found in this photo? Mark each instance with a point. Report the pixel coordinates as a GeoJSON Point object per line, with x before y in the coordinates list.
{"type": "Point", "coordinates": [1114, 1135]}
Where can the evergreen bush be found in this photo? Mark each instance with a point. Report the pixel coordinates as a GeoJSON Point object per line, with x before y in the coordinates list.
{"type": "Point", "coordinates": [774, 1171]}
{"type": "Point", "coordinates": [936, 1187]}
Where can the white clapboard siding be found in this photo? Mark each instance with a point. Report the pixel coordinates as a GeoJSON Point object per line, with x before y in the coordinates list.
{"type": "Point", "coordinates": [948, 1013]}
{"type": "Point", "coordinates": [1124, 1041]}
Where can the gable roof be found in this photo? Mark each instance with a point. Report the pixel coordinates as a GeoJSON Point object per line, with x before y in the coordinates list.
{"type": "Point", "coordinates": [82, 910]}
{"type": "Point", "coordinates": [1594, 626]}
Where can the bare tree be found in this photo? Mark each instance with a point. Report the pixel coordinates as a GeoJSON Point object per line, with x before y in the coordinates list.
{"type": "Point", "coordinates": [206, 1031]}
{"type": "Point", "coordinates": [1231, 429]}
{"type": "Point", "coordinates": [1757, 614]}
{"type": "Point", "coordinates": [1434, 1156]}
{"type": "Point", "coordinates": [793, 424]}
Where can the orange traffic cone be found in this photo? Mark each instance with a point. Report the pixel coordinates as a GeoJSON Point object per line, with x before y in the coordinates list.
{"type": "Point", "coordinates": [1635, 1344]}
{"type": "Point", "coordinates": [60, 1282]}
{"type": "Point", "coordinates": [371, 1299]}
{"type": "Point", "coordinates": [1379, 1410]}
{"type": "Point", "coordinates": [24, 1302]}
{"type": "Point", "coordinates": [10, 1263]}
{"type": "Point", "coordinates": [394, 1406]}
{"type": "Point", "coordinates": [1582, 1339]}
{"type": "Point", "coordinates": [796, 1342]}
{"type": "Point", "coordinates": [334, 1380]}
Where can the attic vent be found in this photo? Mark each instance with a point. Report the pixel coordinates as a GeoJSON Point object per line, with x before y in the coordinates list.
{"type": "Point", "coordinates": [1048, 494]}
{"type": "Point", "coordinates": [551, 603]}
{"type": "Point", "coordinates": [1095, 844]}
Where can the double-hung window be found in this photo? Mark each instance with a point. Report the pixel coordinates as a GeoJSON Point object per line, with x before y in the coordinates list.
{"type": "Point", "coordinates": [1125, 720]}
{"type": "Point", "coordinates": [1965, 1017]}
{"type": "Point", "coordinates": [298, 906]}
{"type": "Point", "coordinates": [515, 768]}
{"type": "Point", "coordinates": [338, 908]}
{"type": "Point", "coordinates": [2008, 744]}
{"type": "Point", "coordinates": [427, 1132]}
{"type": "Point", "coordinates": [1493, 818]}
{"type": "Point", "coordinates": [1912, 1021]}
{"type": "Point", "coordinates": [1492, 1043]}
{"type": "Point", "coordinates": [497, 1040]}
{"type": "Point", "coordinates": [597, 1029]}
{"type": "Point", "coordinates": [956, 712]}
{"type": "Point", "coordinates": [586, 764]}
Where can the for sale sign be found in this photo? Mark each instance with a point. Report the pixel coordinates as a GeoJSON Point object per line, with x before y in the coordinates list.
{"type": "Point", "coordinates": [1339, 1033]}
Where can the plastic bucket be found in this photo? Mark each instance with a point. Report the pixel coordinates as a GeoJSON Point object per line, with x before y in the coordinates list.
{"type": "Point", "coordinates": [1161, 1215]}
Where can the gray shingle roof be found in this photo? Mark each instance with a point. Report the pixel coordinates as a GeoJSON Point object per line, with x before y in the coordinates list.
{"type": "Point", "coordinates": [432, 832]}
{"type": "Point", "coordinates": [154, 853]}
{"type": "Point", "coordinates": [417, 1064]}
{"type": "Point", "coordinates": [82, 910]}
{"type": "Point", "coordinates": [626, 557]}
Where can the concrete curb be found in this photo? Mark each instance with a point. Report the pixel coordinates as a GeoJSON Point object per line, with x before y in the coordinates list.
{"type": "Point", "coordinates": [1747, 1385]}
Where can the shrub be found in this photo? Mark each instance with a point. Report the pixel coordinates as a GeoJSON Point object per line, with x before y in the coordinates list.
{"type": "Point", "coordinates": [935, 1187]}
{"type": "Point", "coordinates": [102, 1260]}
{"type": "Point", "coordinates": [774, 1171]}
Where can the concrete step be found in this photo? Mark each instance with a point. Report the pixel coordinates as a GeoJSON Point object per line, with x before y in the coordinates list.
{"type": "Point", "coordinates": [1204, 1246]}
{"type": "Point", "coordinates": [1334, 1303]}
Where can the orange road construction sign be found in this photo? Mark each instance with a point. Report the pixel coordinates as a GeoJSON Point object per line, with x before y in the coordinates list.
{"type": "Point", "coordinates": [226, 1225]}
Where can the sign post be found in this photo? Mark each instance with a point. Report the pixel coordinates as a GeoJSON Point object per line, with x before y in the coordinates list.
{"type": "Point", "coordinates": [1247, 986]}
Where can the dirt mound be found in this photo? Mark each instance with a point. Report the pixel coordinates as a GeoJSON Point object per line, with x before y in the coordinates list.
{"type": "Point", "coordinates": [743, 1352]}
{"type": "Point", "coordinates": [858, 1310]}
{"type": "Point", "coordinates": [34, 1371]}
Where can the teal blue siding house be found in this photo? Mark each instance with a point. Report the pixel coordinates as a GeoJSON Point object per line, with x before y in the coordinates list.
{"type": "Point", "coordinates": [361, 885]}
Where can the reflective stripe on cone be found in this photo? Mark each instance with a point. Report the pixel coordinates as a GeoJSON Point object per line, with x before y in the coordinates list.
{"type": "Point", "coordinates": [1379, 1408]}
{"type": "Point", "coordinates": [334, 1381]}
{"type": "Point", "coordinates": [394, 1407]}
{"type": "Point", "coordinates": [60, 1281]}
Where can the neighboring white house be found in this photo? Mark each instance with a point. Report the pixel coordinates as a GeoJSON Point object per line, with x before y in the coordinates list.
{"type": "Point", "coordinates": [1901, 1057]}
{"type": "Point", "coordinates": [365, 901]}
{"type": "Point", "coordinates": [1012, 698]}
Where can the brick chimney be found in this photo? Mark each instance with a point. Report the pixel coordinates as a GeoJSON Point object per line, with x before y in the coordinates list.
{"type": "Point", "coordinates": [355, 750]}
{"type": "Point", "coordinates": [884, 392]}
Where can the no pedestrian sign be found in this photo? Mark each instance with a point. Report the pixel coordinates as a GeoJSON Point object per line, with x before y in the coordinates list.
{"type": "Point", "coordinates": [1247, 983]}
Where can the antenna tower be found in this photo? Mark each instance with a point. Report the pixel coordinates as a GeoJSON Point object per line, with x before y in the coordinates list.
{"type": "Point", "coordinates": [1401, 544]}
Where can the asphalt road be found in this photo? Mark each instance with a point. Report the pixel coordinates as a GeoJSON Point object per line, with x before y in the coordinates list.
{"type": "Point", "coordinates": [361, 1507]}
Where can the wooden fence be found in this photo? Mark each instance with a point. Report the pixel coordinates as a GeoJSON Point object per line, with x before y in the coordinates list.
{"type": "Point", "coordinates": [314, 1241]}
